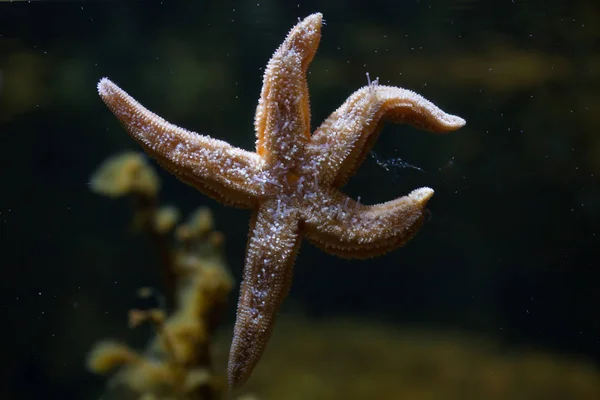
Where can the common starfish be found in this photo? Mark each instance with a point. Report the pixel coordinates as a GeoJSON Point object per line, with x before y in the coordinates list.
{"type": "Point", "coordinates": [291, 183]}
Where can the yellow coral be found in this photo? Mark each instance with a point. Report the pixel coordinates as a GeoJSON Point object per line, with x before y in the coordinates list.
{"type": "Point", "coordinates": [124, 174]}
{"type": "Point", "coordinates": [165, 219]}
{"type": "Point", "coordinates": [198, 225]}
{"type": "Point", "coordinates": [108, 355]}
{"type": "Point", "coordinates": [176, 361]}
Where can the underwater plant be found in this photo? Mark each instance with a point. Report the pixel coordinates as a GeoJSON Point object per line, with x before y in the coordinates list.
{"type": "Point", "coordinates": [177, 363]}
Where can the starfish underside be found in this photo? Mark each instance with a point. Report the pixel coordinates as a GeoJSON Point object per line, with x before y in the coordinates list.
{"type": "Point", "coordinates": [291, 183]}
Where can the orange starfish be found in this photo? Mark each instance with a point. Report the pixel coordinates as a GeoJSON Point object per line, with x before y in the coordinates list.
{"type": "Point", "coordinates": [292, 181]}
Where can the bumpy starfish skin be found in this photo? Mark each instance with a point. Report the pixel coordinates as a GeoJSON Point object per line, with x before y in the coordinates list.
{"type": "Point", "coordinates": [291, 182]}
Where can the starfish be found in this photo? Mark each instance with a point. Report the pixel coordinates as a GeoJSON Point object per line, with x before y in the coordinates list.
{"type": "Point", "coordinates": [291, 182]}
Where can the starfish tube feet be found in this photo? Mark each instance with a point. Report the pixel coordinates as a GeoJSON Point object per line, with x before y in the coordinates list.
{"type": "Point", "coordinates": [282, 120]}
{"type": "Point", "coordinates": [213, 166]}
{"type": "Point", "coordinates": [349, 229]}
{"type": "Point", "coordinates": [341, 143]}
{"type": "Point", "coordinates": [270, 256]}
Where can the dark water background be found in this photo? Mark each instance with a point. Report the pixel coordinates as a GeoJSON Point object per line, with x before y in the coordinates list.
{"type": "Point", "coordinates": [511, 251]}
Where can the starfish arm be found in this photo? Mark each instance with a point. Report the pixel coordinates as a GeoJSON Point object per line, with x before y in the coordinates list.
{"type": "Point", "coordinates": [344, 227]}
{"type": "Point", "coordinates": [272, 248]}
{"type": "Point", "coordinates": [282, 120]}
{"type": "Point", "coordinates": [341, 143]}
{"type": "Point", "coordinates": [212, 166]}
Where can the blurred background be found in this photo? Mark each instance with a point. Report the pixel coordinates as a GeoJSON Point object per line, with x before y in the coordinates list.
{"type": "Point", "coordinates": [496, 296]}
